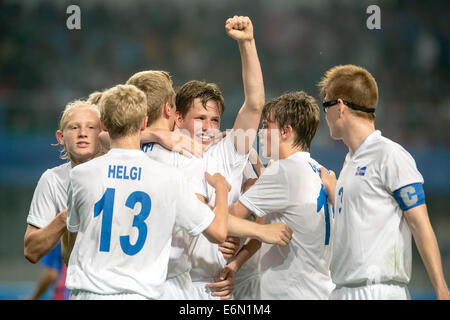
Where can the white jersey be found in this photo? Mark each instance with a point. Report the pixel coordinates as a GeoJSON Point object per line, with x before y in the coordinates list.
{"type": "Point", "coordinates": [291, 191]}
{"type": "Point", "coordinates": [373, 239]}
{"type": "Point", "coordinates": [124, 206]}
{"type": "Point", "coordinates": [250, 269]}
{"type": "Point", "coordinates": [50, 196]}
{"type": "Point", "coordinates": [222, 157]}
{"type": "Point", "coordinates": [194, 170]}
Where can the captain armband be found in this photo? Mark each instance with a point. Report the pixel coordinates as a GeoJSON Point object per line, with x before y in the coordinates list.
{"type": "Point", "coordinates": [410, 196]}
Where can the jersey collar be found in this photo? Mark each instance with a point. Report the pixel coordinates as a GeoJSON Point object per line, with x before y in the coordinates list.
{"type": "Point", "coordinates": [370, 139]}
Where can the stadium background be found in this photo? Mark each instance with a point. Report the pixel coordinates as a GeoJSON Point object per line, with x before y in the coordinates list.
{"type": "Point", "coordinates": [43, 65]}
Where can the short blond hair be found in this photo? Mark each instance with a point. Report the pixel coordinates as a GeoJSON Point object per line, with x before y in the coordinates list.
{"type": "Point", "coordinates": [353, 84]}
{"type": "Point", "coordinates": [157, 86]}
{"type": "Point", "coordinates": [122, 109]}
{"type": "Point", "coordinates": [95, 97]}
{"type": "Point", "coordinates": [64, 120]}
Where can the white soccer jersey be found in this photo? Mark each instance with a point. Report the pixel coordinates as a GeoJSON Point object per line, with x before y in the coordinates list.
{"type": "Point", "coordinates": [124, 206]}
{"type": "Point", "coordinates": [373, 241]}
{"type": "Point", "coordinates": [50, 196]}
{"type": "Point", "coordinates": [222, 157]}
{"type": "Point", "coordinates": [291, 191]}
{"type": "Point", "coordinates": [194, 170]}
{"type": "Point", "coordinates": [250, 269]}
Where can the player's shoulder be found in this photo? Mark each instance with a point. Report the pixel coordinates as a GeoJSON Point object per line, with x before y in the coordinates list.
{"type": "Point", "coordinates": [389, 148]}
{"type": "Point", "coordinates": [58, 172]}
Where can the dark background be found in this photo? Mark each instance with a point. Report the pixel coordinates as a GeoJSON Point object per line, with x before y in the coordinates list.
{"type": "Point", "coordinates": [43, 66]}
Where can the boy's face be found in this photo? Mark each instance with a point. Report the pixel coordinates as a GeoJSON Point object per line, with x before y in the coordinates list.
{"type": "Point", "coordinates": [270, 139]}
{"type": "Point", "coordinates": [80, 135]}
{"type": "Point", "coordinates": [201, 123]}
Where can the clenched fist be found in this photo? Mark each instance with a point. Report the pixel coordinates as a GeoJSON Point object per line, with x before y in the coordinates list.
{"type": "Point", "coordinates": [239, 28]}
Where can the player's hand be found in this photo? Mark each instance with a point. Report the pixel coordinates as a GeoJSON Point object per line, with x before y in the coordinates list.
{"type": "Point", "coordinates": [444, 295]}
{"type": "Point", "coordinates": [225, 286]}
{"type": "Point", "coordinates": [329, 183]}
{"type": "Point", "coordinates": [230, 247]}
{"type": "Point", "coordinates": [179, 142]}
{"type": "Point", "coordinates": [217, 181]}
{"type": "Point", "coordinates": [239, 28]}
{"type": "Point", "coordinates": [276, 233]}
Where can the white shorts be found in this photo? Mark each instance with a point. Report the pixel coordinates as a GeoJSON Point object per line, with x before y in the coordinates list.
{"type": "Point", "coordinates": [200, 292]}
{"type": "Point", "coordinates": [178, 288]}
{"type": "Point", "coordinates": [249, 289]}
{"type": "Point", "coordinates": [87, 295]}
{"type": "Point", "coordinates": [377, 291]}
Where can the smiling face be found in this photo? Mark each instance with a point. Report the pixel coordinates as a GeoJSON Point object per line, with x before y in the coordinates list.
{"type": "Point", "coordinates": [202, 122]}
{"type": "Point", "coordinates": [80, 135]}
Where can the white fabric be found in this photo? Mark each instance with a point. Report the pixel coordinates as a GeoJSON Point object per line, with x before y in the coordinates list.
{"type": "Point", "coordinates": [288, 192]}
{"type": "Point", "coordinates": [194, 170]}
{"type": "Point", "coordinates": [178, 287]}
{"type": "Point", "coordinates": [246, 280]}
{"type": "Point", "coordinates": [86, 295]}
{"type": "Point", "coordinates": [135, 177]}
{"type": "Point", "coordinates": [222, 157]}
{"type": "Point", "coordinates": [50, 196]}
{"type": "Point", "coordinates": [378, 291]}
{"type": "Point", "coordinates": [373, 241]}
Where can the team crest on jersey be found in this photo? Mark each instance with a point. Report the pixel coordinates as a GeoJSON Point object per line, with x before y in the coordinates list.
{"type": "Point", "coordinates": [360, 171]}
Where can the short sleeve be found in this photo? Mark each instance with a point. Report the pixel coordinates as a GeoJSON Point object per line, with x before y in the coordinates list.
{"type": "Point", "coordinates": [191, 214]}
{"type": "Point", "coordinates": [399, 170]}
{"type": "Point", "coordinates": [230, 153]}
{"type": "Point", "coordinates": [43, 208]}
{"type": "Point", "coordinates": [268, 195]}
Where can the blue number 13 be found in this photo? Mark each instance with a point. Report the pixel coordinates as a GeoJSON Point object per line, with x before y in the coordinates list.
{"type": "Point", "coordinates": [106, 205]}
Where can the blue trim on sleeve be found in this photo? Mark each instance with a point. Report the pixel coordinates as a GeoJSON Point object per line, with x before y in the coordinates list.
{"type": "Point", "coordinates": [410, 196]}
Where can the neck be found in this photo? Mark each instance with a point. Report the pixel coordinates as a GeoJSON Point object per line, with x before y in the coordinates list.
{"type": "Point", "coordinates": [356, 133]}
{"type": "Point", "coordinates": [127, 142]}
{"type": "Point", "coordinates": [287, 150]}
{"type": "Point", "coordinates": [161, 123]}
{"type": "Point", "coordinates": [75, 162]}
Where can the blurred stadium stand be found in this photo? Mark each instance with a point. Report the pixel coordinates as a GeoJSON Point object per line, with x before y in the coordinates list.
{"type": "Point", "coordinates": [43, 65]}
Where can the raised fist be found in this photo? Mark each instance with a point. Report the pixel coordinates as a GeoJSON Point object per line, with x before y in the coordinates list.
{"type": "Point", "coordinates": [239, 28]}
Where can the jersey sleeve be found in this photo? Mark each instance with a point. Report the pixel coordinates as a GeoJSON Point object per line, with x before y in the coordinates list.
{"type": "Point", "coordinates": [268, 195]}
{"type": "Point", "coordinates": [73, 218]}
{"type": "Point", "coordinates": [43, 209]}
{"type": "Point", "coordinates": [191, 214]}
{"type": "Point", "coordinates": [234, 158]}
{"type": "Point", "coordinates": [400, 170]}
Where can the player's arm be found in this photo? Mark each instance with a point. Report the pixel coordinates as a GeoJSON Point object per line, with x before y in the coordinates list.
{"type": "Point", "coordinates": [241, 30]}
{"type": "Point", "coordinates": [274, 233]}
{"type": "Point", "coordinates": [171, 140]}
{"type": "Point", "coordinates": [329, 183]}
{"type": "Point", "coordinates": [425, 239]}
{"type": "Point", "coordinates": [217, 230]}
{"type": "Point", "coordinates": [40, 241]}
{"type": "Point", "coordinates": [67, 242]}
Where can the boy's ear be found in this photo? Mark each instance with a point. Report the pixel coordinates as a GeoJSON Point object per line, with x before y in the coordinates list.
{"type": "Point", "coordinates": [167, 109]}
{"type": "Point", "coordinates": [144, 123]}
{"type": "Point", "coordinates": [178, 119]}
{"type": "Point", "coordinates": [102, 125]}
{"type": "Point", "coordinates": [59, 137]}
{"type": "Point", "coordinates": [286, 131]}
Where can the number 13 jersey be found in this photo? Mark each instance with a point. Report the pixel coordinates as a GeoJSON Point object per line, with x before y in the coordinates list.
{"type": "Point", "coordinates": [124, 207]}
